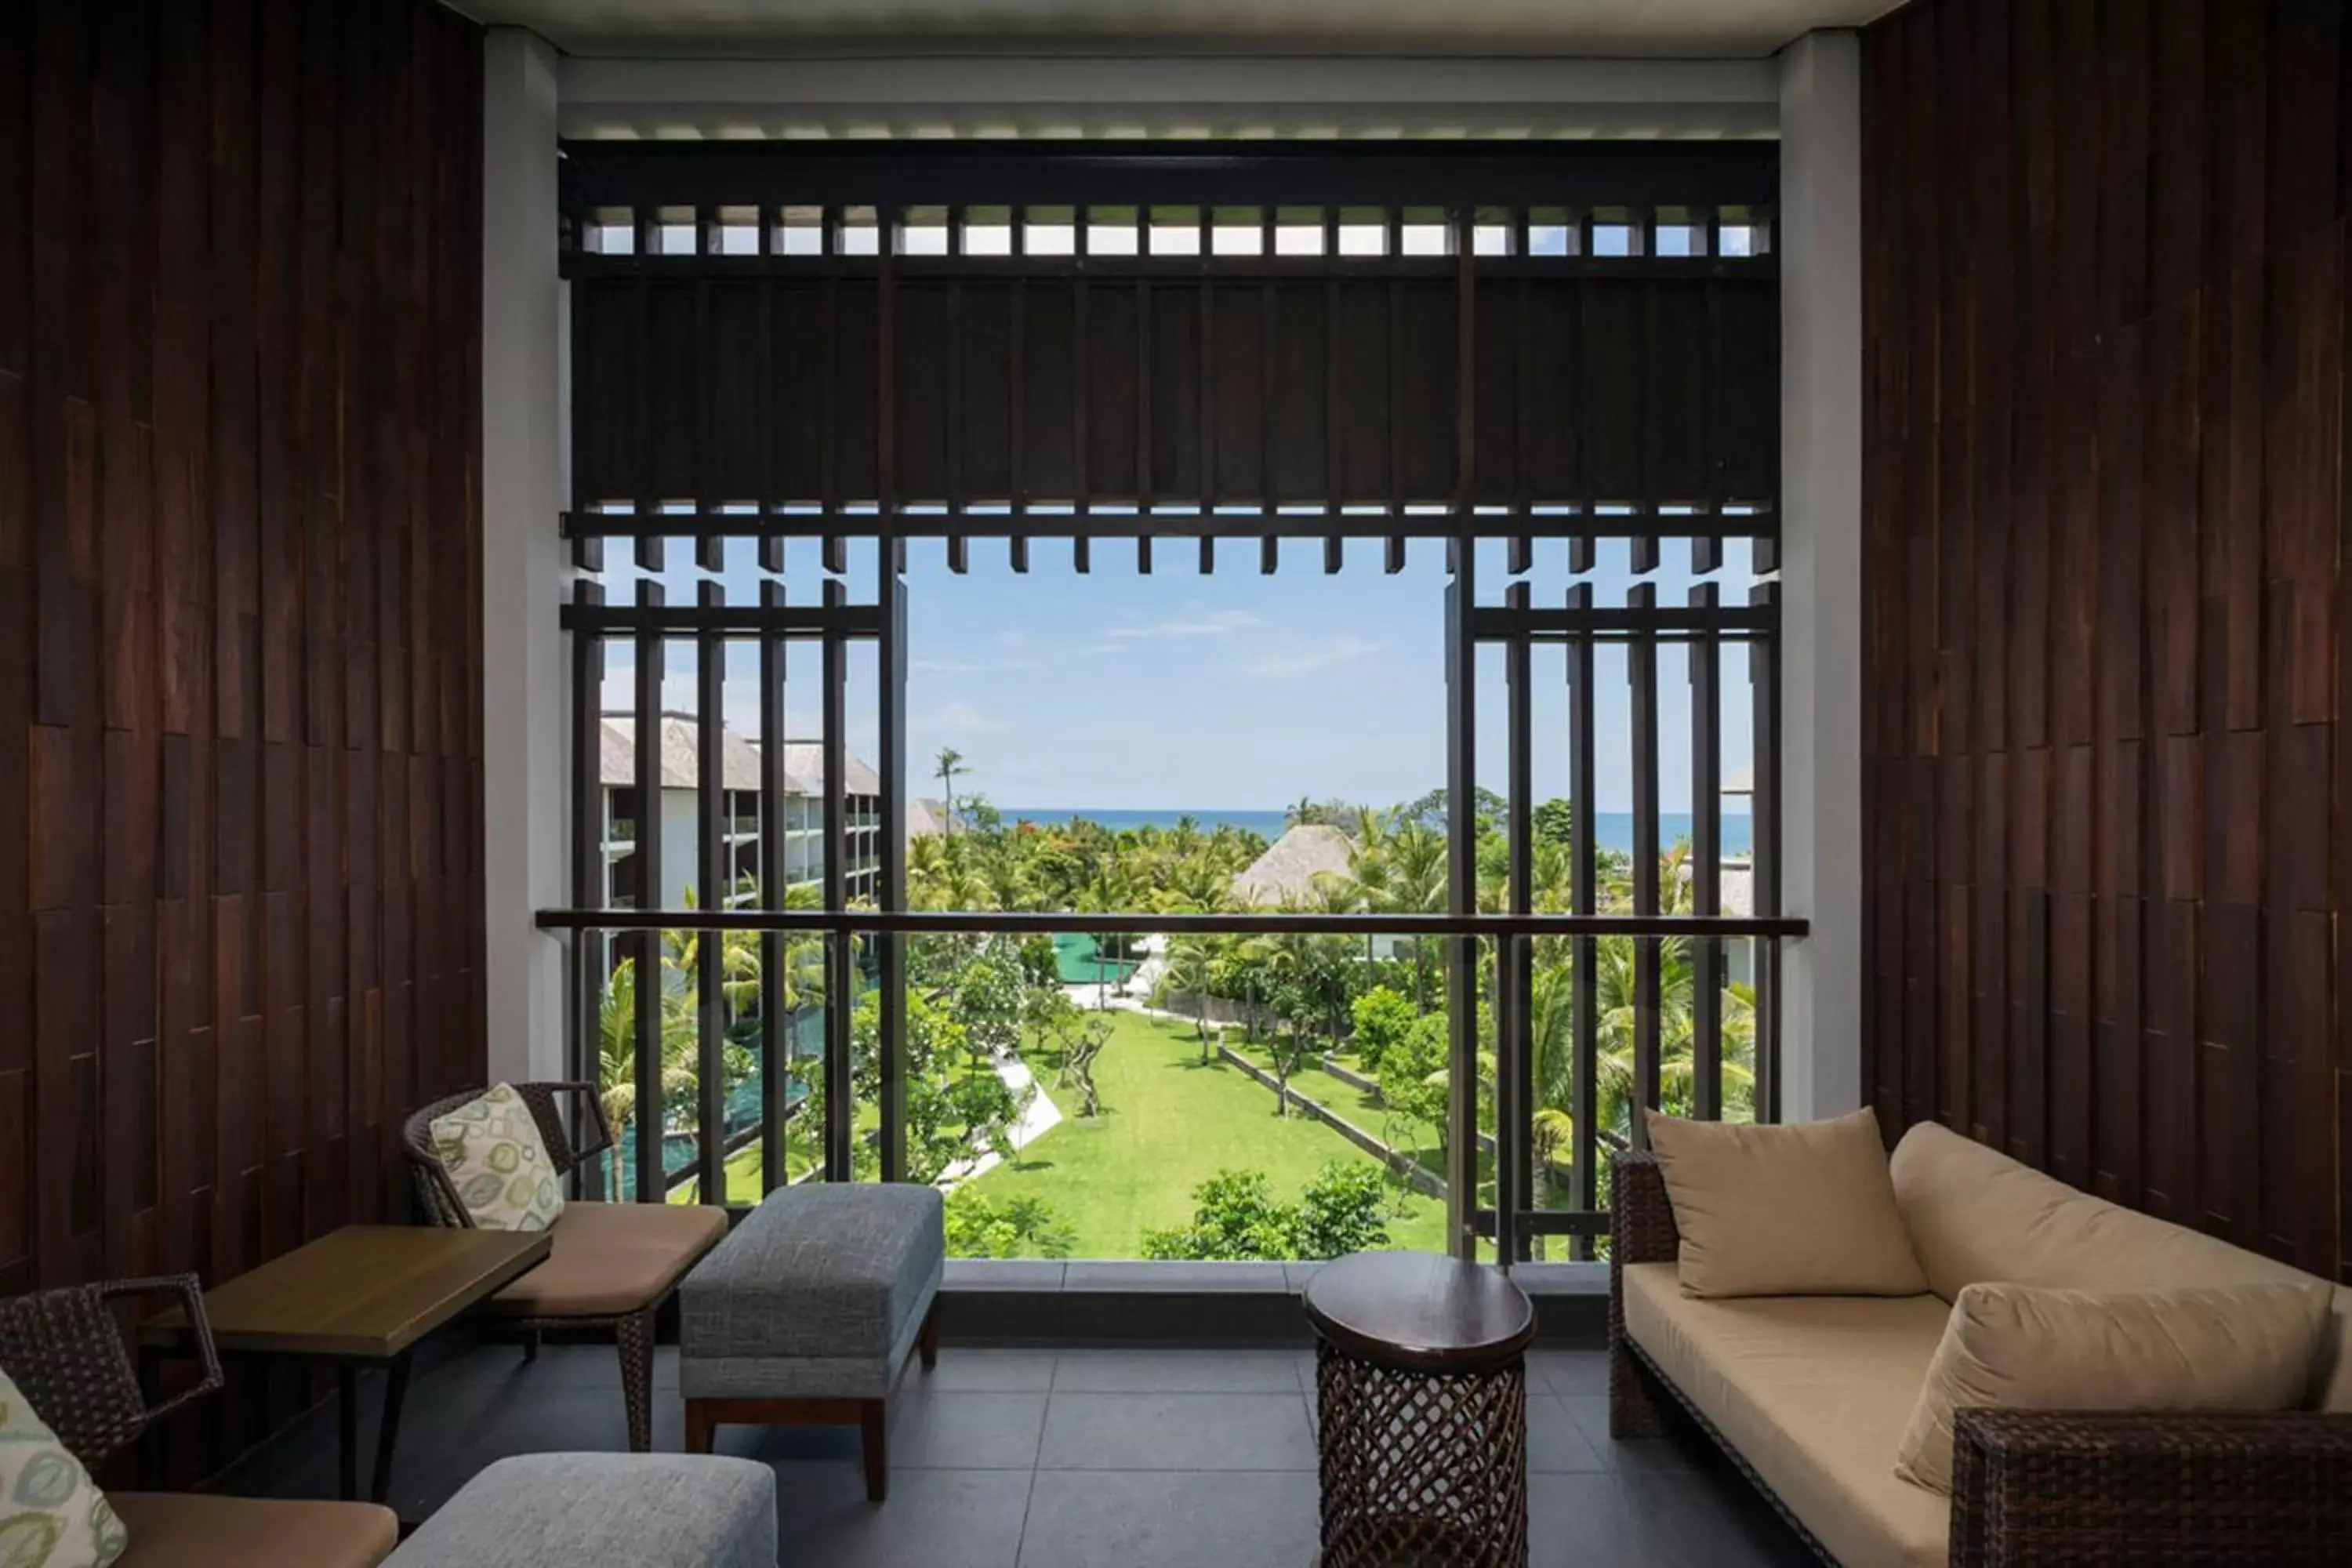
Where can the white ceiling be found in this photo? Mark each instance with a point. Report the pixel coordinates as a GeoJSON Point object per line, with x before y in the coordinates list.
{"type": "Point", "coordinates": [1617, 27]}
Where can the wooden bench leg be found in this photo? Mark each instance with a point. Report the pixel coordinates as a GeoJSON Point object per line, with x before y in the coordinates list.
{"type": "Point", "coordinates": [873, 1421]}
{"type": "Point", "coordinates": [927, 1342]}
{"type": "Point", "coordinates": [872, 1417]}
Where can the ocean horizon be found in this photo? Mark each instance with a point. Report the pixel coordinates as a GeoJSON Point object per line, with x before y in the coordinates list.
{"type": "Point", "coordinates": [1614, 829]}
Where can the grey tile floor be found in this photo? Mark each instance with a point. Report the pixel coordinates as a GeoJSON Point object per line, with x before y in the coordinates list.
{"type": "Point", "coordinates": [1037, 1458]}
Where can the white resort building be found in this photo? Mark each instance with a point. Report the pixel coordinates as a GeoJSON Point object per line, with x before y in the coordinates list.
{"type": "Point", "coordinates": [802, 818]}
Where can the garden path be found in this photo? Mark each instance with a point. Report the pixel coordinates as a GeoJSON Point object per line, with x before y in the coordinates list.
{"type": "Point", "coordinates": [1039, 1116]}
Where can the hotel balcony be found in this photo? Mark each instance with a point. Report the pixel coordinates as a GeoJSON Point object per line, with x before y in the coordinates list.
{"type": "Point", "coordinates": [1790, 559]}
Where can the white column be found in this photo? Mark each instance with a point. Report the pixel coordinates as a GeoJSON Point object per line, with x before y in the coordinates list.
{"type": "Point", "coordinates": [525, 710]}
{"type": "Point", "coordinates": [1820, 571]}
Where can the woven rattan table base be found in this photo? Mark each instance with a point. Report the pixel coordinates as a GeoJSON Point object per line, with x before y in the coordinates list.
{"type": "Point", "coordinates": [1421, 1469]}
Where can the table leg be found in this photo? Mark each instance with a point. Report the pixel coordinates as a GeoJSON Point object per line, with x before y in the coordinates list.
{"type": "Point", "coordinates": [395, 1389]}
{"type": "Point", "coordinates": [347, 1432]}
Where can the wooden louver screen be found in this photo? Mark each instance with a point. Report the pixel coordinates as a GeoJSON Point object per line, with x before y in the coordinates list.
{"type": "Point", "coordinates": [1646, 393]}
{"type": "Point", "coordinates": [724, 359]}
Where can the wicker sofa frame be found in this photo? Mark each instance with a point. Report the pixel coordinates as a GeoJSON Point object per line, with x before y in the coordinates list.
{"type": "Point", "coordinates": [66, 1353]}
{"type": "Point", "coordinates": [2050, 1489]}
{"type": "Point", "coordinates": [437, 1195]}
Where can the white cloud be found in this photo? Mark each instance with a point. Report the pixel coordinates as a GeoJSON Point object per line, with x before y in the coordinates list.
{"type": "Point", "coordinates": [1305, 658]}
{"type": "Point", "coordinates": [1212, 623]}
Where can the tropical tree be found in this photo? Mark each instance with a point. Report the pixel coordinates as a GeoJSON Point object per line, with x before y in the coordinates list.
{"type": "Point", "coordinates": [1188, 971]}
{"type": "Point", "coordinates": [950, 768]}
{"type": "Point", "coordinates": [617, 1063]}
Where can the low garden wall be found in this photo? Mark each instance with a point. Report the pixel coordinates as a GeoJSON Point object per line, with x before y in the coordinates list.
{"type": "Point", "coordinates": [1415, 1174]}
{"type": "Point", "coordinates": [1357, 1081]}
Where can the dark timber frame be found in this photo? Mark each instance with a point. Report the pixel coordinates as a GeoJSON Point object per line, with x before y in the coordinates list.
{"type": "Point", "coordinates": [760, 352]}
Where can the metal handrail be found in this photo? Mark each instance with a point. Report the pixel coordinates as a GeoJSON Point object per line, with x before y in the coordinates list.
{"type": "Point", "coordinates": [944, 923]}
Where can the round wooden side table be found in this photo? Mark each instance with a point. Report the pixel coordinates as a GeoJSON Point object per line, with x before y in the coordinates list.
{"type": "Point", "coordinates": [1420, 1386]}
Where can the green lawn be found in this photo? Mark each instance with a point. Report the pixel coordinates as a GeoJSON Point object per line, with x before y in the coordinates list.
{"type": "Point", "coordinates": [1169, 1123]}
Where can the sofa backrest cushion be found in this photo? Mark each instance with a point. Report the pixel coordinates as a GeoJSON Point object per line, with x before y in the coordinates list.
{"type": "Point", "coordinates": [1799, 1209]}
{"type": "Point", "coordinates": [1976, 1215]}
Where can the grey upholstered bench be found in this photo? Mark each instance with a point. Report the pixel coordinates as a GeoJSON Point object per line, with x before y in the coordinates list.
{"type": "Point", "coordinates": [806, 1313]}
{"type": "Point", "coordinates": [563, 1510]}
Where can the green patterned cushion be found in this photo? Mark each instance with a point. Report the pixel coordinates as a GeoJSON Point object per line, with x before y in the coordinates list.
{"type": "Point", "coordinates": [52, 1515]}
{"type": "Point", "coordinates": [498, 1163]}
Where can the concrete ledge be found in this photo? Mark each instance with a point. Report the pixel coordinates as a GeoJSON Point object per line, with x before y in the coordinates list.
{"type": "Point", "coordinates": [1114, 1302]}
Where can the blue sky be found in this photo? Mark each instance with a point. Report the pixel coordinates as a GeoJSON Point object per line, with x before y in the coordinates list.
{"type": "Point", "coordinates": [1229, 692]}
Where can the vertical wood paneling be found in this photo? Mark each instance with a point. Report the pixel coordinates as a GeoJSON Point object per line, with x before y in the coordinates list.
{"type": "Point", "coordinates": [2104, 514]}
{"type": "Point", "coordinates": [240, 814]}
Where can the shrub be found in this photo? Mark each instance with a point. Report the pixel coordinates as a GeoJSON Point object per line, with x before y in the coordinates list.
{"type": "Point", "coordinates": [1381, 1017]}
{"type": "Point", "coordinates": [1235, 1218]}
{"type": "Point", "coordinates": [1343, 1210]}
{"type": "Point", "coordinates": [1020, 1228]}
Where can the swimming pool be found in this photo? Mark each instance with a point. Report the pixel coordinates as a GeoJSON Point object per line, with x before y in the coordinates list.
{"type": "Point", "coordinates": [1081, 963]}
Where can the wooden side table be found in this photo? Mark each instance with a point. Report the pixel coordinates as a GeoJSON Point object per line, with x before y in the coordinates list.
{"type": "Point", "coordinates": [359, 1297]}
{"type": "Point", "coordinates": [1420, 1386]}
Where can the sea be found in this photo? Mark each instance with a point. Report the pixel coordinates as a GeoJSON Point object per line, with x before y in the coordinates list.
{"type": "Point", "coordinates": [1614, 829]}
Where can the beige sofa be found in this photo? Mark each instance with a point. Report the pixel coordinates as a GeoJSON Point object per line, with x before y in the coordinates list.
{"type": "Point", "coordinates": [1810, 1395]}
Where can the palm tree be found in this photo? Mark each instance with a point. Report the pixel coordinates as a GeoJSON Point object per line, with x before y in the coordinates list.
{"type": "Point", "coordinates": [616, 1065]}
{"type": "Point", "coordinates": [951, 768]}
{"type": "Point", "coordinates": [1109, 891]}
{"type": "Point", "coordinates": [738, 957]}
{"type": "Point", "coordinates": [1188, 971]}
{"type": "Point", "coordinates": [1413, 883]}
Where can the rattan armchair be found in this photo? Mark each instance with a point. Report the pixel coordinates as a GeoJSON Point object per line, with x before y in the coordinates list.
{"type": "Point", "coordinates": [2040, 1488]}
{"type": "Point", "coordinates": [613, 1264]}
{"type": "Point", "coordinates": [66, 1352]}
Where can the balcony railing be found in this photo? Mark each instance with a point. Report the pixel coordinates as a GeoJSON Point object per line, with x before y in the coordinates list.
{"type": "Point", "coordinates": [1562, 1028]}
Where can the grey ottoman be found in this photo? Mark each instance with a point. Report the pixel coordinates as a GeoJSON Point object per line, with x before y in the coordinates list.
{"type": "Point", "coordinates": [806, 1313]}
{"type": "Point", "coordinates": [562, 1511]}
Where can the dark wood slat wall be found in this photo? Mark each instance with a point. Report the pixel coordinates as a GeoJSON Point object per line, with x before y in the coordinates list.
{"type": "Point", "coordinates": [241, 720]}
{"type": "Point", "coordinates": [2107, 789]}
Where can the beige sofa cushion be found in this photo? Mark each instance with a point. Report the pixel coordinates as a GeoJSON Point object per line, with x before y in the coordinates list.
{"type": "Point", "coordinates": [1802, 1209]}
{"type": "Point", "coordinates": [2026, 1347]}
{"type": "Point", "coordinates": [1974, 1214]}
{"type": "Point", "coordinates": [1814, 1392]}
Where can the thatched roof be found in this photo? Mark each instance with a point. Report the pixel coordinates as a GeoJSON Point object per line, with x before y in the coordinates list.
{"type": "Point", "coordinates": [926, 818]}
{"type": "Point", "coordinates": [804, 762]}
{"type": "Point", "coordinates": [738, 760]}
{"type": "Point", "coordinates": [1288, 870]}
{"type": "Point", "coordinates": [1735, 883]}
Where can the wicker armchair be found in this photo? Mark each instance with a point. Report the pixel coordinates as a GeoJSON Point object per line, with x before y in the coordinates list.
{"type": "Point", "coordinates": [2034, 1488]}
{"type": "Point", "coordinates": [66, 1353]}
{"type": "Point", "coordinates": [613, 1264]}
